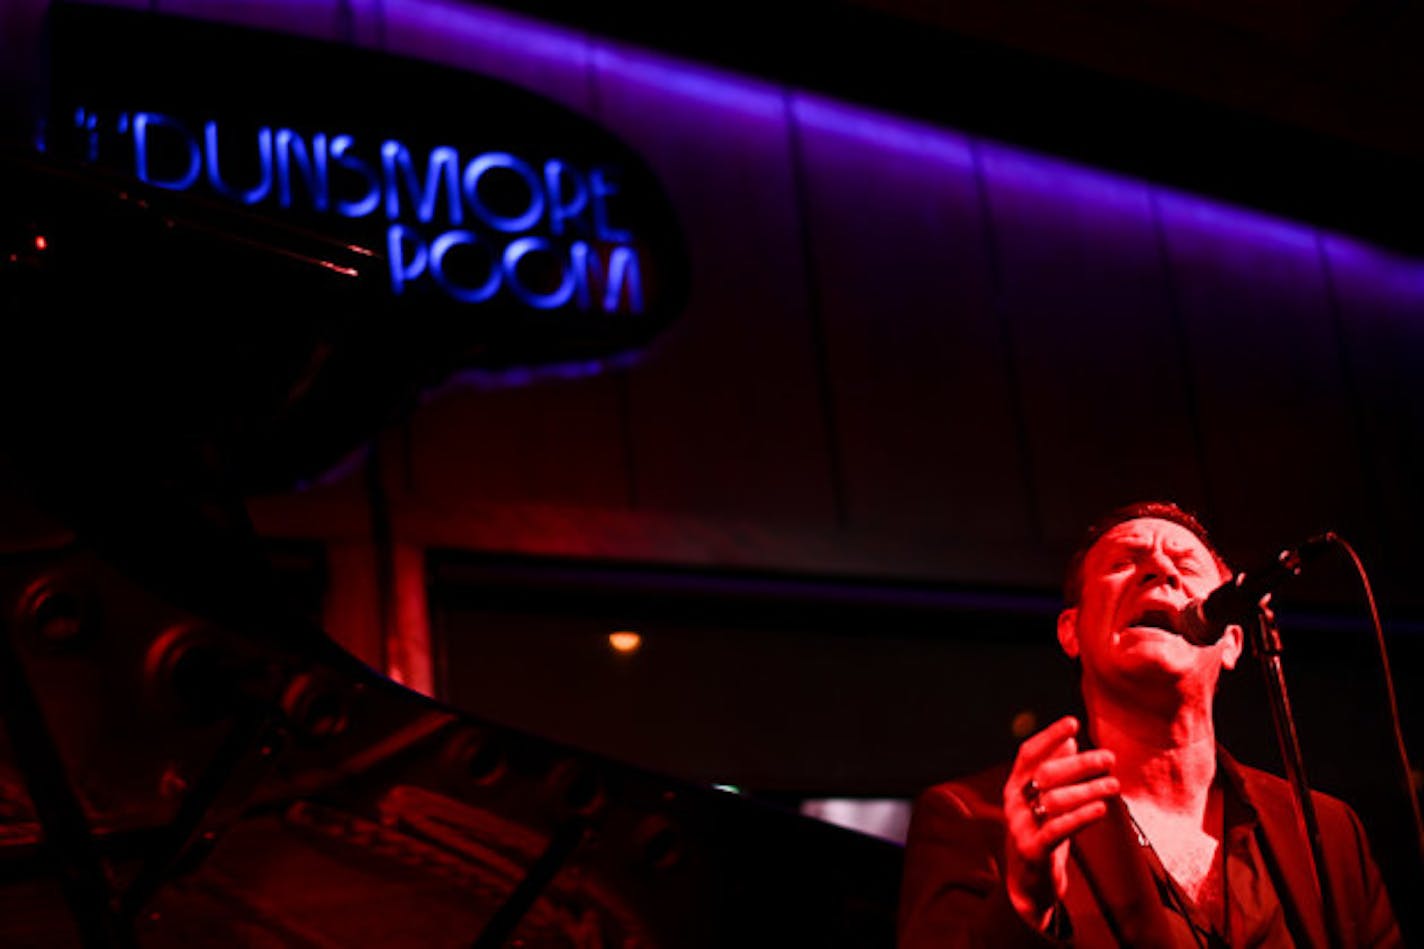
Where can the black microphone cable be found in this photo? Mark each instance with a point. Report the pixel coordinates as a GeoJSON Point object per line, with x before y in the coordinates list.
{"type": "Point", "coordinates": [1389, 689]}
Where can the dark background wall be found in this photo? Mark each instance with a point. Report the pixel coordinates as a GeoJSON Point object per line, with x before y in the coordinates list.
{"type": "Point", "coordinates": [940, 351]}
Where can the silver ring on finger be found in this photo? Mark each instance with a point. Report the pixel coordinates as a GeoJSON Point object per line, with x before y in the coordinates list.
{"type": "Point", "coordinates": [1039, 812]}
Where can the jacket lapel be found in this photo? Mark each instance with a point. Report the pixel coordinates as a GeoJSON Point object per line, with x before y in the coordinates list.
{"type": "Point", "coordinates": [1284, 849]}
{"type": "Point", "coordinates": [1111, 879]}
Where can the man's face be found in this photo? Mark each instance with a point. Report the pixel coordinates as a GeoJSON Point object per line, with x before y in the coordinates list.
{"type": "Point", "coordinates": [1136, 579]}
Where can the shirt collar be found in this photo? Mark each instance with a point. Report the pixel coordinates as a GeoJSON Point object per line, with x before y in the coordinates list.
{"type": "Point", "coordinates": [1240, 816]}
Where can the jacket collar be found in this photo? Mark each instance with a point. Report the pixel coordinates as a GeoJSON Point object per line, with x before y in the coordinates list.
{"type": "Point", "coordinates": [1110, 879]}
{"type": "Point", "coordinates": [1113, 894]}
{"type": "Point", "coordinates": [1284, 848]}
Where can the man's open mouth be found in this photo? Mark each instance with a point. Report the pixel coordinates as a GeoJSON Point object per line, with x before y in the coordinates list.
{"type": "Point", "coordinates": [1157, 618]}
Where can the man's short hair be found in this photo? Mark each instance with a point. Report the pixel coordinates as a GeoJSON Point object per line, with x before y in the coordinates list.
{"type": "Point", "coordinates": [1163, 510]}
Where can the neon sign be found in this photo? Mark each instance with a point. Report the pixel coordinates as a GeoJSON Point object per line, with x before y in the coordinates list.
{"type": "Point", "coordinates": [536, 227]}
{"type": "Point", "coordinates": [542, 231]}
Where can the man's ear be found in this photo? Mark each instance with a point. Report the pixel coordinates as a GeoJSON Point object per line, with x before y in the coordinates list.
{"type": "Point", "coordinates": [1068, 631]}
{"type": "Point", "coordinates": [1231, 644]}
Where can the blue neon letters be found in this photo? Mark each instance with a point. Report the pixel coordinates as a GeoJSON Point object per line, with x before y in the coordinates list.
{"type": "Point", "coordinates": [550, 240]}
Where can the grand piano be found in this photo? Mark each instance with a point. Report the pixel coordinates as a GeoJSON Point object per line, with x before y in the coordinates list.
{"type": "Point", "coordinates": [187, 757]}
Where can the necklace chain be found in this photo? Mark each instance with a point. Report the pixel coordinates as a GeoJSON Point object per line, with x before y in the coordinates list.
{"type": "Point", "coordinates": [1201, 936]}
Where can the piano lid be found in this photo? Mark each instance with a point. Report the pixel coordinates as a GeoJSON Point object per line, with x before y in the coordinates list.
{"type": "Point", "coordinates": [185, 760]}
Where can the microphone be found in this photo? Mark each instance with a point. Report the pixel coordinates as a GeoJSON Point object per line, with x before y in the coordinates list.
{"type": "Point", "coordinates": [1237, 600]}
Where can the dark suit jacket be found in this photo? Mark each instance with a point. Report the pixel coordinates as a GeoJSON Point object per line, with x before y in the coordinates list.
{"type": "Point", "coordinates": [953, 892]}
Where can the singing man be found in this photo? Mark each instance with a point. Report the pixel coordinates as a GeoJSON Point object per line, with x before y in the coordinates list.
{"type": "Point", "coordinates": [1131, 826]}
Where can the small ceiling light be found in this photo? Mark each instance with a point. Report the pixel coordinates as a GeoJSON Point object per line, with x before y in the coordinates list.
{"type": "Point", "coordinates": [1023, 724]}
{"type": "Point", "coordinates": [625, 641]}
{"type": "Point", "coordinates": [40, 242]}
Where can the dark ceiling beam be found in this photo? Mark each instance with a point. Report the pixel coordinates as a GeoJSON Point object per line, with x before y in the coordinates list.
{"type": "Point", "coordinates": [1145, 130]}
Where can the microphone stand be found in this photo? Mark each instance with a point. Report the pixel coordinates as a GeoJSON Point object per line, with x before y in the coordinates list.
{"type": "Point", "coordinates": [1265, 639]}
